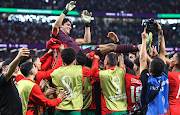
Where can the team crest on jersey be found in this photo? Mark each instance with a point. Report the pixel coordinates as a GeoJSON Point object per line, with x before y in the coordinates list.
{"type": "Point", "coordinates": [93, 47]}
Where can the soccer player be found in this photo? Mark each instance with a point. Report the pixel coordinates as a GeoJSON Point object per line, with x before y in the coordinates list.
{"type": "Point", "coordinates": [61, 31]}
{"type": "Point", "coordinates": [151, 82]}
{"type": "Point", "coordinates": [46, 60]}
{"type": "Point", "coordinates": [10, 101]}
{"type": "Point", "coordinates": [70, 78]}
{"type": "Point", "coordinates": [89, 104]}
{"type": "Point", "coordinates": [20, 75]}
{"type": "Point", "coordinates": [174, 84]}
{"type": "Point", "coordinates": [112, 81]}
{"type": "Point", "coordinates": [133, 86]}
{"type": "Point", "coordinates": [31, 92]}
{"type": "Point", "coordinates": [46, 74]}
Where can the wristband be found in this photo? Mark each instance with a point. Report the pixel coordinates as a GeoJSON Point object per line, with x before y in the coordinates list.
{"type": "Point", "coordinates": [87, 25]}
{"type": "Point", "coordinates": [117, 43]}
{"type": "Point", "coordinates": [65, 11]}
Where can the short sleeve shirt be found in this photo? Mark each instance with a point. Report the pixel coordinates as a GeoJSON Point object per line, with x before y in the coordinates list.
{"type": "Point", "coordinates": [69, 41]}
{"type": "Point", "coordinates": [10, 101]}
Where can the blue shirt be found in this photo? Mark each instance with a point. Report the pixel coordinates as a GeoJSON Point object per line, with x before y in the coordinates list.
{"type": "Point", "coordinates": [160, 104]}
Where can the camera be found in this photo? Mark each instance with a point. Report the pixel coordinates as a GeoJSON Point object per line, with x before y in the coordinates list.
{"type": "Point", "coordinates": [150, 25]}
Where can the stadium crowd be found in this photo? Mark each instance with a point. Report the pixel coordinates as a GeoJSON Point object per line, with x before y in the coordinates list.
{"type": "Point", "coordinates": [104, 79]}
{"type": "Point", "coordinates": [127, 6]}
{"type": "Point", "coordinates": [38, 33]}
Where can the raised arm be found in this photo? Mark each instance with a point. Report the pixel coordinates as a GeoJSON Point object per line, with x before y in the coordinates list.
{"type": "Point", "coordinates": [143, 52]}
{"type": "Point", "coordinates": [15, 62]}
{"type": "Point", "coordinates": [86, 16]}
{"type": "Point", "coordinates": [58, 23]}
{"type": "Point", "coordinates": [121, 62]}
{"type": "Point", "coordinates": [162, 44]}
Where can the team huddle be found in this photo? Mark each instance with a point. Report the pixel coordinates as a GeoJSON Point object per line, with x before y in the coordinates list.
{"type": "Point", "coordinates": [105, 79]}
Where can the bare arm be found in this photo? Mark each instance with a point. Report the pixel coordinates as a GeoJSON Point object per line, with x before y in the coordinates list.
{"type": "Point", "coordinates": [58, 23]}
{"type": "Point", "coordinates": [86, 16]}
{"type": "Point", "coordinates": [162, 47]}
{"type": "Point", "coordinates": [12, 66]}
{"type": "Point", "coordinates": [143, 52]}
{"type": "Point", "coordinates": [168, 61]}
{"type": "Point", "coordinates": [121, 62]}
{"type": "Point", "coordinates": [149, 59]}
{"type": "Point", "coordinates": [86, 39]}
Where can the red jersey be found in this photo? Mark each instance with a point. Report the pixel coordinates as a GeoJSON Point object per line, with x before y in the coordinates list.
{"type": "Point", "coordinates": [37, 98]}
{"type": "Point", "coordinates": [46, 61]}
{"type": "Point", "coordinates": [133, 89]}
{"type": "Point", "coordinates": [174, 91]}
{"type": "Point", "coordinates": [19, 77]}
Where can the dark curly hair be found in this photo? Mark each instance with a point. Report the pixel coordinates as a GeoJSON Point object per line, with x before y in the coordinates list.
{"type": "Point", "coordinates": [157, 66]}
{"type": "Point", "coordinates": [66, 20]}
{"type": "Point", "coordinates": [68, 55]}
{"type": "Point", "coordinates": [81, 58]}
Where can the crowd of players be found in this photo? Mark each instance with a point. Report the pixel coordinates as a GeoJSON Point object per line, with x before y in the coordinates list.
{"type": "Point", "coordinates": [103, 79]}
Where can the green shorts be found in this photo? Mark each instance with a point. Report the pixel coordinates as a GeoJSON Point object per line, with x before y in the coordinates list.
{"type": "Point", "coordinates": [88, 112]}
{"type": "Point", "coordinates": [67, 112]}
{"type": "Point", "coordinates": [118, 113]}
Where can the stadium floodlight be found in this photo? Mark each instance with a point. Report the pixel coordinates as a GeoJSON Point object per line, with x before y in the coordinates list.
{"type": "Point", "coordinates": [36, 11]}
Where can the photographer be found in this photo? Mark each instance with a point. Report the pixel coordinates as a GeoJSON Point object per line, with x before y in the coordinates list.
{"type": "Point", "coordinates": [155, 86]}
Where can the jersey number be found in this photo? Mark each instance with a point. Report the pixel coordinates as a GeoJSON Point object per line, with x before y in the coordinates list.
{"type": "Point", "coordinates": [137, 91]}
{"type": "Point", "coordinates": [178, 92]}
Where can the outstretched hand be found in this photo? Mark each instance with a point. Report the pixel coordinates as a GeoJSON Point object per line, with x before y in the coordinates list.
{"type": "Point", "coordinates": [113, 36]}
{"type": "Point", "coordinates": [23, 52]}
{"type": "Point", "coordinates": [50, 91]}
{"type": "Point", "coordinates": [144, 34]}
{"type": "Point", "coordinates": [70, 6]}
{"type": "Point", "coordinates": [63, 95]}
{"type": "Point", "coordinates": [86, 16]}
{"type": "Point", "coordinates": [43, 83]}
{"type": "Point", "coordinates": [153, 52]}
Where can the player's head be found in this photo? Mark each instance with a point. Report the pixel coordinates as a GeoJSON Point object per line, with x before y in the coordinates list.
{"type": "Point", "coordinates": [111, 60]}
{"type": "Point", "coordinates": [5, 65]}
{"type": "Point", "coordinates": [136, 65]}
{"type": "Point", "coordinates": [36, 61]}
{"type": "Point", "coordinates": [68, 55]}
{"type": "Point", "coordinates": [132, 57]}
{"type": "Point", "coordinates": [28, 68]}
{"type": "Point", "coordinates": [157, 67]}
{"type": "Point", "coordinates": [25, 59]}
{"type": "Point", "coordinates": [81, 58]}
{"type": "Point", "coordinates": [66, 26]}
{"type": "Point", "coordinates": [175, 60]}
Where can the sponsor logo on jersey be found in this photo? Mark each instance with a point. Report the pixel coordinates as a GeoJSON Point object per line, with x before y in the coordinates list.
{"type": "Point", "coordinates": [136, 81]}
